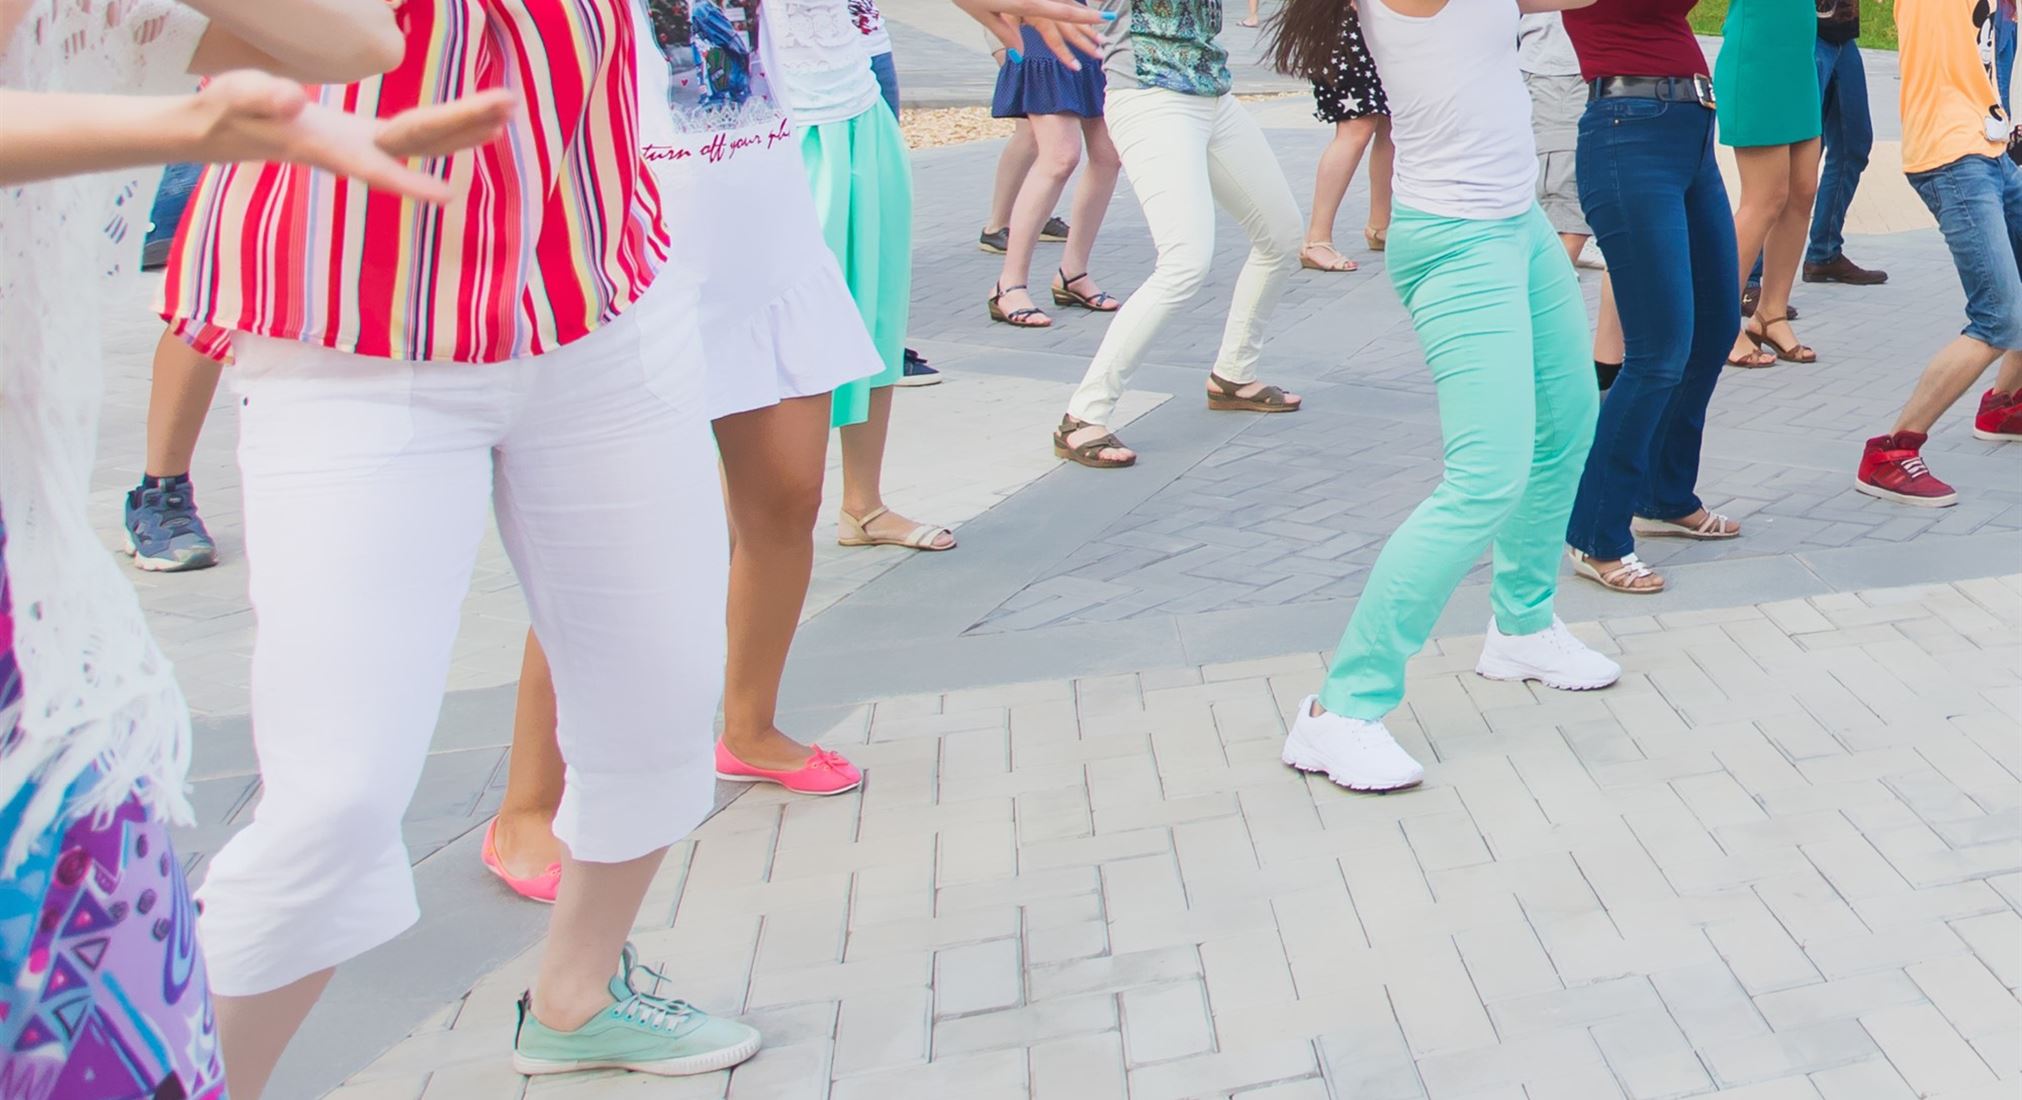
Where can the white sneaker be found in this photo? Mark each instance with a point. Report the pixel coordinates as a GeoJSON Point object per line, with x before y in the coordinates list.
{"type": "Point", "coordinates": [1358, 755]}
{"type": "Point", "coordinates": [1552, 657]}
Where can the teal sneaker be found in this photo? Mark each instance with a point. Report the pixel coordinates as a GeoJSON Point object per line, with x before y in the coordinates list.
{"type": "Point", "coordinates": [639, 1031]}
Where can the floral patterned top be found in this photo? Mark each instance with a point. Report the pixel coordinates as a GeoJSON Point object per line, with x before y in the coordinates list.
{"type": "Point", "coordinates": [1168, 44]}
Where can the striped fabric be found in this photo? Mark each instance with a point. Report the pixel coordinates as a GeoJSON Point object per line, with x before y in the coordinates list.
{"type": "Point", "coordinates": [554, 229]}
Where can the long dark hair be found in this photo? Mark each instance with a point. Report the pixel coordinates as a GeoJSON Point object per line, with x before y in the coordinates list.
{"type": "Point", "coordinates": [1301, 36]}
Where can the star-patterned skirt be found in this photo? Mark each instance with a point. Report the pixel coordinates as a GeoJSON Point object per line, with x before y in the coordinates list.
{"type": "Point", "coordinates": [1352, 89]}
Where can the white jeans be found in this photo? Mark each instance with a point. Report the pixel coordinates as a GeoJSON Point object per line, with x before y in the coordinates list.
{"type": "Point", "coordinates": [1184, 154]}
{"type": "Point", "coordinates": [366, 486]}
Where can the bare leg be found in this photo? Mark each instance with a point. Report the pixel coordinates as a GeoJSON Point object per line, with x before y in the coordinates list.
{"type": "Point", "coordinates": [1013, 165]}
{"type": "Point", "coordinates": [1950, 374]}
{"type": "Point", "coordinates": [1608, 346]}
{"type": "Point", "coordinates": [1091, 201]}
{"type": "Point", "coordinates": [253, 1031]}
{"type": "Point", "coordinates": [773, 464]}
{"type": "Point", "coordinates": [1059, 143]}
{"type": "Point", "coordinates": [594, 913]}
{"type": "Point", "coordinates": [1765, 189]}
{"type": "Point", "coordinates": [1382, 157]}
{"type": "Point", "coordinates": [1337, 169]}
{"type": "Point", "coordinates": [863, 466]}
{"type": "Point", "coordinates": [524, 836]}
{"type": "Point", "coordinates": [178, 400]}
{"type": "Point", "coordinates": [1784, 244]}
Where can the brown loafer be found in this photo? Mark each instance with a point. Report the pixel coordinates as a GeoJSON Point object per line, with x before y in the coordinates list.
{"type": "Point", "coordinates": [1839, 269]}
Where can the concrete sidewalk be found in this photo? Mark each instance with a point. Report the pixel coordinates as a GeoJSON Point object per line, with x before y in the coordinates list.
{"type": "Point", "coordinates": [1778, 860]}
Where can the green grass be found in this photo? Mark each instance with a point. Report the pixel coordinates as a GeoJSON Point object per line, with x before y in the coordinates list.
{"type": "Point", "coordinates": [1878, 21]}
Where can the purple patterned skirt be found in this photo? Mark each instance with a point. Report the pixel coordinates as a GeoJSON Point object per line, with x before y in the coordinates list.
{"type": "Point", "coordinates": [102, 991]}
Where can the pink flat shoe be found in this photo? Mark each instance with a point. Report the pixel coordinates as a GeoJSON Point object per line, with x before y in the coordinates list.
{"type": "Point", "coordinates": [824, 773]}
{"type": "Point", "coordinates": [541, 887]}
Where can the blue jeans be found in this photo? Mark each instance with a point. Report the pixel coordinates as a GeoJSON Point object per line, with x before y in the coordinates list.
{"type": "Point", "coordinates": [169, 201]}
{"type": "Point", "coordinates": [888, 79]}
{"type": "Point", "coordinates": [1978, 204]}
{"type": "Point", "coordinates": [1849, 138]}
{"type": "Point", "coordinates": [1651, 189]}
{"type": "Point", "coordinates": [2004, 56]}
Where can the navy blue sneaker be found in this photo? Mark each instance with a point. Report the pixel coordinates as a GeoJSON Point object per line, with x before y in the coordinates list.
{"type": "Point", "coordinates": [163, 532]}
{"type": "Point", "coordinates": [916, 372]}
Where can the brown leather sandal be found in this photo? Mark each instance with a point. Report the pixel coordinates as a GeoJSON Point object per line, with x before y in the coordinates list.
{"type": "Point", "coordinates": [1792, 353]}
{"type": "Point", "coordinates": [1227, 398]}
{"type": "Point", "coordinates": [1090, 453]}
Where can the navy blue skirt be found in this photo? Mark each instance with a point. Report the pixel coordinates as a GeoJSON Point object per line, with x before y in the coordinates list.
{"type": "Point", "coordinates": [1041, 85]}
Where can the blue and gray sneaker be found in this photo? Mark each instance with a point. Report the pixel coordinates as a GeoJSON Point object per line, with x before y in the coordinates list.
{"type": "Point", "coordinates": [639, 1031]}
{"type": "Point", "coordinates": [916, 372]}
{"type": "Point", "coordinates": [163, 532]}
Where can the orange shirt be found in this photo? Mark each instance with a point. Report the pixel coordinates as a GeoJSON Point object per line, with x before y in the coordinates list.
{"type": "Point", "coordinates": [1948, 81]}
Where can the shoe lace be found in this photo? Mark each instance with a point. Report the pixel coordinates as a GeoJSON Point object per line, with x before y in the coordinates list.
{"type": "Point", "coordinates": [667, 1014]}
{"type": "Point", "coordinates": [833, 761]}
{"type": "Point", "coordinates": [1914, 466]}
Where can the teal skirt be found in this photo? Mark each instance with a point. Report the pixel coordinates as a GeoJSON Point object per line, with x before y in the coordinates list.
{"type": "Point", "coordinates": [863, 192]}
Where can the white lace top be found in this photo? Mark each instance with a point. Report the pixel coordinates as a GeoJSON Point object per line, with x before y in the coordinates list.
{"type": "Point", "coordinates": [97, 692]}
{"type": "Point", "coordinates": [824, 69]}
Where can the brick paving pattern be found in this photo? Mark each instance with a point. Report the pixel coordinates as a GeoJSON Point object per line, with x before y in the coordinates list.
{"type": "Point", "coordinates": [1778, 860]}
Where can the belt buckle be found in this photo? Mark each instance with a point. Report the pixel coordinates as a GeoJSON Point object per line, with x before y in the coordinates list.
{"type": "Point", "coordinates": [1702, 87]}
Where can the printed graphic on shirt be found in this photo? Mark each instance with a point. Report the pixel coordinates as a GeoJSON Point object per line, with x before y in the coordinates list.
{"type": "Point", "coordinates": [1984, 31]}
{"type": "Point", "coordinates": [867, 17]}
{"type": "Point", "coordinates": [715, 80]}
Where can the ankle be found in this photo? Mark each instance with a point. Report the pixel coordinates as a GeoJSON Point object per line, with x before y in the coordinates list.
{"type": "Point", "coordinates": [566, 1006]}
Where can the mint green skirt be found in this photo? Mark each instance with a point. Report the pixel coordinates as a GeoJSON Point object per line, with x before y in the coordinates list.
{"type": "Point", "coordinates": [863, 192]}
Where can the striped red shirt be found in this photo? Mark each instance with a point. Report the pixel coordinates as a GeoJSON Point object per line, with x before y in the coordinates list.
{"type": "Point", "coordinates": [553, 230]}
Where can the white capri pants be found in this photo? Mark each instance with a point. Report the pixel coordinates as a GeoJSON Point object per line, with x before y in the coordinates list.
{"type": "Point", "coordinates": [366, 485]}
{"type": "Point", "coordinates": [1184, 155]}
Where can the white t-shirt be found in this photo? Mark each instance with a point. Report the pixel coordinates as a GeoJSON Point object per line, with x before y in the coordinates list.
{"type": "Point", "coordinates": [824, 63]}
{"type": "Point", "coordinates": [1459, 112]}
{"type": "Point", "coordinates": [770, 314]}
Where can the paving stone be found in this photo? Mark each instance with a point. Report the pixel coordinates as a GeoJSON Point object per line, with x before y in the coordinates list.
{"type": "Point", "coordinates": [977, 978]}
{"type": "Point", "coordinates": [1924, 1048]}
{"type": "Point", "coordinates": [1163, 1022]}
{"type": "Point", "coordinates": [1081, 1066]}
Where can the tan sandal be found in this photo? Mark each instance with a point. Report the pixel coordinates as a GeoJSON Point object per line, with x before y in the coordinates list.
{"type": "Point", "coordinates": [1622, 578]}
{"type": "Point", "coordinates": [1339, 263]}
{"type": "Point", "coordinates": [1715, 526]}
{"type": "Point", "coordinates": [1227, 397]}
{"type": "Point", "coordinates": [1375, 238]}
{"type": "Point", "coordinates": [1090, 453]}
{"type": "Point", "coordinates": [852, 531]}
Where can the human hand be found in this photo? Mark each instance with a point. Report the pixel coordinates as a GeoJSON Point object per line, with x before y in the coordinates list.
{"type": "Point", "coordinates": [251, 116]}
{"type": "Point", "coordinates": [1066, 27]}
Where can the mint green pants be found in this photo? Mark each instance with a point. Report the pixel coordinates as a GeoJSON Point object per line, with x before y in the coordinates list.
{"type": "Point", "coordinates": [1499, 311]}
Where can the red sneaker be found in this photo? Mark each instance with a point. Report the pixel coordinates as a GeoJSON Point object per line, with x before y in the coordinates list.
{"type": "Point", "coordinates": [1893, 469]}
{"type": "Point", "coordinates": [2000, 416]}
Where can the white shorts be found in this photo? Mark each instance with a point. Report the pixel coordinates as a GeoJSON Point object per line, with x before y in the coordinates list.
{"type": "Point", "coordinates": [367, 483]}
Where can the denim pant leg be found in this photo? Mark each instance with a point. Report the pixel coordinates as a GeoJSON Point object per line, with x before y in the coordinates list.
{"type": "Point", "coordinates": [1671, 490]}
{"type": "Point", "coordinates": [887, 73]}
{"type": "Point", "coordinates": [1849, 132]}
{"type": "Point", "coordinates": [1639, 160]}
{"type": "Point", "coordinates": [2004, 59]}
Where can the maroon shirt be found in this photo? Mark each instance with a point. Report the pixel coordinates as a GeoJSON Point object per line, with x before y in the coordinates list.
{"type": "Point", "coordinates": [1635, 38]}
